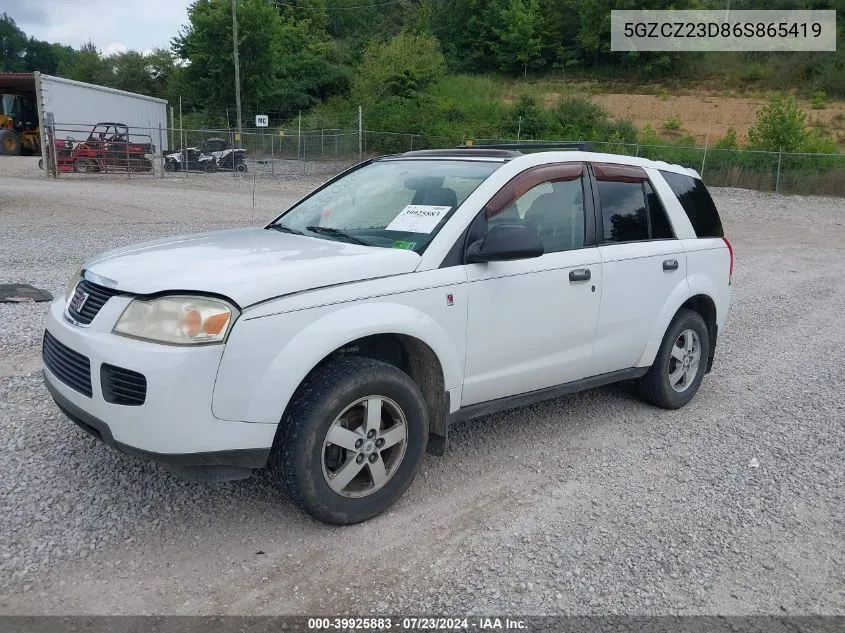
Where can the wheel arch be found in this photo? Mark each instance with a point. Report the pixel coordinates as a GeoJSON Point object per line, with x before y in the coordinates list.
{"type": "Point", "coordinates": [413, 356]}
{"type": "Point", "coordinates": [701, 302]}
{"type": "Point", "coordinates": [705, 306]}
{"type": "Point", "coordinates": [257, 386]}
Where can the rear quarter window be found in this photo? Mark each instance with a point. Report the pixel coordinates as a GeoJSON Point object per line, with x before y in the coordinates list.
{"type": "Point", "coordinates": [697, 203]}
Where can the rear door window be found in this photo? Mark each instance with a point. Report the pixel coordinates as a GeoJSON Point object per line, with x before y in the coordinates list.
{"type": "Point", "coordinates": [697, 203]}
{"type": "Point", "coordinates": [657, 218]}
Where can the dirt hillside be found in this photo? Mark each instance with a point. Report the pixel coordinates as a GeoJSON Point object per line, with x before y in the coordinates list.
{"type": "Point", "coordinates": [704, 115]}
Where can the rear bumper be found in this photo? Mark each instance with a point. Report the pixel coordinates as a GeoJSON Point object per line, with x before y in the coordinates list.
{"type": "Point", "coordinates": [211, 465]}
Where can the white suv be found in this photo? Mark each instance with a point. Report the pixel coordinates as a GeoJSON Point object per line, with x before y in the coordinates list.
{"type": "Point", "coordinates": [338, 343]}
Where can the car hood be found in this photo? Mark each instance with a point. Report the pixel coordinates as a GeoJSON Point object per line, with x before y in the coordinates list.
{"type": "Point", "coordinates": [246, 265]}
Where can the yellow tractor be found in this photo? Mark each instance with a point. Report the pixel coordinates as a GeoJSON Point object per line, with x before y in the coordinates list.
{"type": "Point", "coordinates": [19, 133]}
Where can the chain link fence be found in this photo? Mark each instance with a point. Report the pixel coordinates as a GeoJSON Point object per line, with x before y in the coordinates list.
{"type": "Point", "coordinates": [781, 172]}
{"type": "Point", "coordinates": [289, 153]}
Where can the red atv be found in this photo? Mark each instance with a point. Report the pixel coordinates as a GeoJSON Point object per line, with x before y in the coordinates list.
{"type": "Point", "coordinates": [107, 148]}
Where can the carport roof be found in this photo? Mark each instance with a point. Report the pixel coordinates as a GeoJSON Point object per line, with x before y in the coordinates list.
{"type": "Point", "coordinates": [17, 82]}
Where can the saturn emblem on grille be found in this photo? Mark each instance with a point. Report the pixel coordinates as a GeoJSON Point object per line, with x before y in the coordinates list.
{"type": "Point", "coordinates": [78, 300]}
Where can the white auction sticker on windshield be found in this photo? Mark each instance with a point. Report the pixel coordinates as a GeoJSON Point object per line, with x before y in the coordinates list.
{"type": "Point", "coordinates": [418, 218]}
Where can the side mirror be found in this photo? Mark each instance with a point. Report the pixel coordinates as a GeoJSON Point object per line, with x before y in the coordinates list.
{"type": "Point", "coordinates": [505, 242]}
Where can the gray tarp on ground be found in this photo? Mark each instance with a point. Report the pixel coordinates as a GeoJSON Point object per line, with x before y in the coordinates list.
{"type": "Point", "coordinates": [19, 293]}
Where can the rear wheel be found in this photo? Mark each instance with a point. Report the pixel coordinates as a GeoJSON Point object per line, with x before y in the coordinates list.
{"type": "Point", "coordinates": [241, 168]}
{"type": "Point", "coordinates": [10, 143]}
{"type": "Point", "coordinates": [680, 364]}
{"type": "Point", "coordinates": [83, 165]}
{"type": "Point", "coordinates": [351, 440]}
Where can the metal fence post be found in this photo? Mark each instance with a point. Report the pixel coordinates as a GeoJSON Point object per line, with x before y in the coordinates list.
{"type": "Point", "coordinates": [161, 150]}
{"type": "Point", "coordinates": [777, 177]}
{"type": "Point", "coordinates": [53, 163]}
{"type": "Point", "coordinates": [272, 156]}
{"type": "Point", "coordinates": [637, 152]}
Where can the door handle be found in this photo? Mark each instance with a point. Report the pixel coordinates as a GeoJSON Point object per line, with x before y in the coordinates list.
{"type": "Point", "coordinates": [579, 274]}
{"type": "Point", "coordinates": [670, 264]}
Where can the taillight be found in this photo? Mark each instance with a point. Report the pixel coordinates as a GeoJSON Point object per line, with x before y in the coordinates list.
{"type": "Point", "coordinates": [731, 252]}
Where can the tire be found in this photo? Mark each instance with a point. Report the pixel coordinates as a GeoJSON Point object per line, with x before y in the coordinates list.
{"type": "Point", "coordinates": [83, 166]}
{"type": "Point", "coordinates": [241, 168]}
{"type": "Point", "coordinates": [304, 461]}
{"type": "Point", "coordinates": [140, 165]}
{"type": "Point", "coordinates": [656, 387]}
{"type": "Point", "coordinates": [40, 163]}
{"type": "Point", "coordinates": [10, 143]}
{"type": "Point", "coordinates": [210, 167]}
{"type": "Point", "coordinates": [169, 166]}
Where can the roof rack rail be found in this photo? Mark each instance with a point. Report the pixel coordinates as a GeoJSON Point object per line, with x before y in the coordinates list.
{"type": "Point", "coordinates": [484, 151]}
{"type": "Point", "coordinates": [520, 147]}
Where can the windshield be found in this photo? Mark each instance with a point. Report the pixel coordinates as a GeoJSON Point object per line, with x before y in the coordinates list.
{"type": "Point", "coordinates": [392, 203]}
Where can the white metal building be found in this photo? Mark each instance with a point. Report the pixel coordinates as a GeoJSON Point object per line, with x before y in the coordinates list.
{"type": "Point", "coordinates": [75, 102]}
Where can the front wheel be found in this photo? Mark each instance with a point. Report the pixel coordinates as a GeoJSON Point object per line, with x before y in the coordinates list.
{"type": "Point", "coordinates": [680, 364]}
{"type": "Point", "coordinates": [241, 168]}
{"type": "Point", "coordinates": [10, 143]}
{"type": "Point", "coordinates": [351, 440]}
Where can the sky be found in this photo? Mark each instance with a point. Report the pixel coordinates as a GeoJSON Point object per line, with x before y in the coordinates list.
{"type": "Point", "coordinates": [113, 25]}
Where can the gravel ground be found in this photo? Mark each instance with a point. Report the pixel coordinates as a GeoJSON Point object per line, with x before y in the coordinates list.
{"type": "Point", "coordinates": [595, 503]}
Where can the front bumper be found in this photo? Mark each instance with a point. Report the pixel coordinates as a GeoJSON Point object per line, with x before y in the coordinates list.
{"type": "Point", "coordinates": [175, 424]}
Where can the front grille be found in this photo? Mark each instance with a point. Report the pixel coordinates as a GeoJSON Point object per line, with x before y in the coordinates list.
{"type": "Point", "coordinates": [123, 386]}
{"type": "Point", "coordinates": [72, 368]}
{"type": "Point", "coordinates": [96, 299]}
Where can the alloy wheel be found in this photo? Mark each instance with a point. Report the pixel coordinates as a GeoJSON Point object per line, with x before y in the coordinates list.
{"type": "Point", "coordinates": [364, 446]}
{"type": "Point", "coordinates": [684, 360]}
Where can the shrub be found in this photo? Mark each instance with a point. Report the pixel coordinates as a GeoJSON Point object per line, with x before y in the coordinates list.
{"type": "Point", "coordinates": [620, 131]}
{"type": "Point", "coordinates": [728, 141]}
{"type": "Point", "coordinates": [816, 142]}
{"type": "Point", "coordinates": [818, 102]}
{"type": "Point", "coordinates": [578, 118]}
{"type": "Point", "coordinates": [779, 125]}
{"type": "Point", "coordinates": [648, 136]}
{"type": "Point", "coordinates": [527, 120]}
{"type": "Point", "coordinates": [673, 124]}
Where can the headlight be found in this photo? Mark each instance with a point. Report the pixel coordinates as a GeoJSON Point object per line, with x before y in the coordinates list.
{"type": "Point", "coordinates": [177, 320]}
{"type": "Point", "coordinates": [75, 278]}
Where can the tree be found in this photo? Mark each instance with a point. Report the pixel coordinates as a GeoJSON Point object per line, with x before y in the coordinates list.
{"type": "Point", "coordinates": [131, 71]}
{"type": "Point", "coordinates": [88, 65]}
{"type": "Point", "coordinates": [779, 126]}
{"type": "Point", "coordinates": [403, 67]}
{"type": "Point", "coordinates": [12, 45]}
{"type": "Point", "coordinates": [42, 56]}
{"type": "Point", "coordinates": [518, 42]}
{"type": "Point", "coordinates": [285, 64]}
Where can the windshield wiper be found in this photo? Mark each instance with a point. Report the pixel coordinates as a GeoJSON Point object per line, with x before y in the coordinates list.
{"type": "Point", "coordinates": [285, 229]}
{"type": "Point", "coordinates": [327, 230]}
